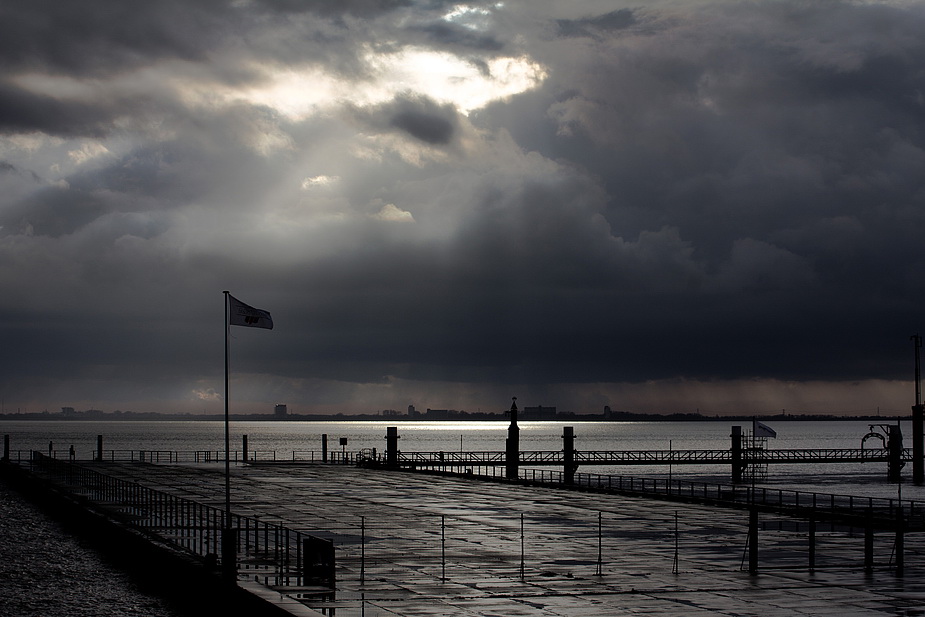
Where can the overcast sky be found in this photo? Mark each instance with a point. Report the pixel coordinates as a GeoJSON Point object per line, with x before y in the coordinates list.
{"type": "Point", "coordinates": [659, 206]}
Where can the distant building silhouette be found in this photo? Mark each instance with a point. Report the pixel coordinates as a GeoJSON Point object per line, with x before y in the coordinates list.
{"type": "Point", "coordinates": [539, 413]}
{"type": "Point", "coordinates": [281, 411]}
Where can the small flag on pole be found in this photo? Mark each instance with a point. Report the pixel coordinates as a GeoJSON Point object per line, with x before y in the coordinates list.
{"type": "Point", "coordinates": [763, 430]}
{"type": "Point", "coordinates": [241, 314]}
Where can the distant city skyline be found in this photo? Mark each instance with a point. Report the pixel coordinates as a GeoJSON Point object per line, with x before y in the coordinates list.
{"type": "Point", "coordinates": [662, 207]}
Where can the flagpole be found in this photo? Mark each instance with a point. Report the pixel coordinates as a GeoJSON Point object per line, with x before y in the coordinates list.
{"type": "Point", "coordinates": [227, 430]}
{"type": "Point", "coordinates": [229, 550]}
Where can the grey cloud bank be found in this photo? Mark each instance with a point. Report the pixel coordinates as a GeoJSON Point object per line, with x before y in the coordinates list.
{"type": "Point", "coordinates": [679, 205]}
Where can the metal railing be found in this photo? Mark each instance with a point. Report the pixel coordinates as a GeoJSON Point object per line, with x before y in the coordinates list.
{"type": "Point", "coordinates": [272, 551]}
{"type": "Point", "coordinates": [881, 512]}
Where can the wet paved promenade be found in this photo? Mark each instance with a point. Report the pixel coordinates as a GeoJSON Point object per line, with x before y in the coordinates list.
{"type": "Point", "coordinates": [415, 545]}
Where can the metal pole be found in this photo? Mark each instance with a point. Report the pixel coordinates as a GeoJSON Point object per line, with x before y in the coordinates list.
{"type": "Point", "coordinates": [918, 420]}
{"type": "Point", "coordinates": [521, 546]}
{"type": "Point", "coordinates": [674, 566]}
{"type": "Point", "coordinates": [229, 540]}
{"type": "Point", "coordinates": [600, 544]}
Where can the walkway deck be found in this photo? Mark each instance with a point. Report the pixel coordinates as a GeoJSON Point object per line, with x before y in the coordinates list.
{"type": "Point", "coordinates": [421, 545]}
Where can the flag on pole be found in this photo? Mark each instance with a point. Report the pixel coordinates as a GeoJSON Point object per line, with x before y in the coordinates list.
{"type": "Point", "coordinates": [241, 314]}
{"type": "Point", "coordinates": [763, 430]}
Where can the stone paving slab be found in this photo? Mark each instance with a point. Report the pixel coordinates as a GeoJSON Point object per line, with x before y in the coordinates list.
{"type": "Point", "coordinates": [402, 514]}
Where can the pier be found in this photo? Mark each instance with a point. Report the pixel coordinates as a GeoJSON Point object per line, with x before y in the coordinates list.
{"type": "Point", "coordinates": [747, 457]}
{"type": "Point", "coordinates": [334, 539]}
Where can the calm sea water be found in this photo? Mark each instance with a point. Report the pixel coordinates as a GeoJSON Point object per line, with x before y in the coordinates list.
{"type": "Point", "coordinates": [284, 438]}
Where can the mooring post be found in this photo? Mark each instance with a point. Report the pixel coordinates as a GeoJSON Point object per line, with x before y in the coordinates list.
{"type": "Point", "coordinates": [391, 446]}
{"type": "Point", "coordinates": [918, 421]}
{"type": "Point", "coordinates": [568, 454]}
{"type": "Point", "coordinates": [244, 448]}
{"type": "Point", "coordinates": [99, 447]}
{"type": "Point", "coordinates": [324, 447]}
{"type": "Point", "coordinates": [6, 448]}
{"type": "Point", "coordinates": [512, 445]}
{"type": "Point", "coordinates": [869, 542]}
{"type": "Point", "coordinates": [736, 454]}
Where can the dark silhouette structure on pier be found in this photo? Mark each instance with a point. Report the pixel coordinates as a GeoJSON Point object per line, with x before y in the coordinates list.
{"type": "Point", "coordinates": [744, 454]}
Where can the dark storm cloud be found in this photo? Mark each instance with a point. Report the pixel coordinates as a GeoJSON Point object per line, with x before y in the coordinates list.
{"type": "Point", "coordinates": [598, 25]}
{"type": "Point", "coordinates": [417, 116]}
{"type": "Point", "coordinates": [24, 112]}
{"type": "Point", "coordinates": [336, 7]}
{"type": "Point", "coordinates": [725, 192]}
{"type": "Point", "coordinates": [446, 34]}
{"type": "Point", "coordinates": [101, 37]}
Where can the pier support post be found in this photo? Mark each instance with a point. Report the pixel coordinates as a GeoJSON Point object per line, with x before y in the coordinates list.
{"type": "Point", "coordinates": [736, 454]}
{"type": "Point", "coordinates": [869, 543]}
{"type": "Point", "coordinates": [244, 448]}
{"type": "Point", "coordinates": [568, 454]}
{"type": "Point", "coordinates": [391, 446]}
{"type": "Point", "coordinates": [99, 447]}
{"type": "Point", "coordinates": [6, 448]}
{"type": "Point", "coordinates": [324, 447]}
{"type": "Point", "coordinates": [512, 445]}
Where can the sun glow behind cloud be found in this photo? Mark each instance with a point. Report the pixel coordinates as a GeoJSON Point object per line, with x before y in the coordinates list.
{"type": "Point", "coordinates": [439, 75]}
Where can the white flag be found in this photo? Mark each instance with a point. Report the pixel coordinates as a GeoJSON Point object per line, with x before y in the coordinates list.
{"type": "Point", "coordinates": [763, 430]}
{"type": "Point", "coordinates": [241, 314]}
